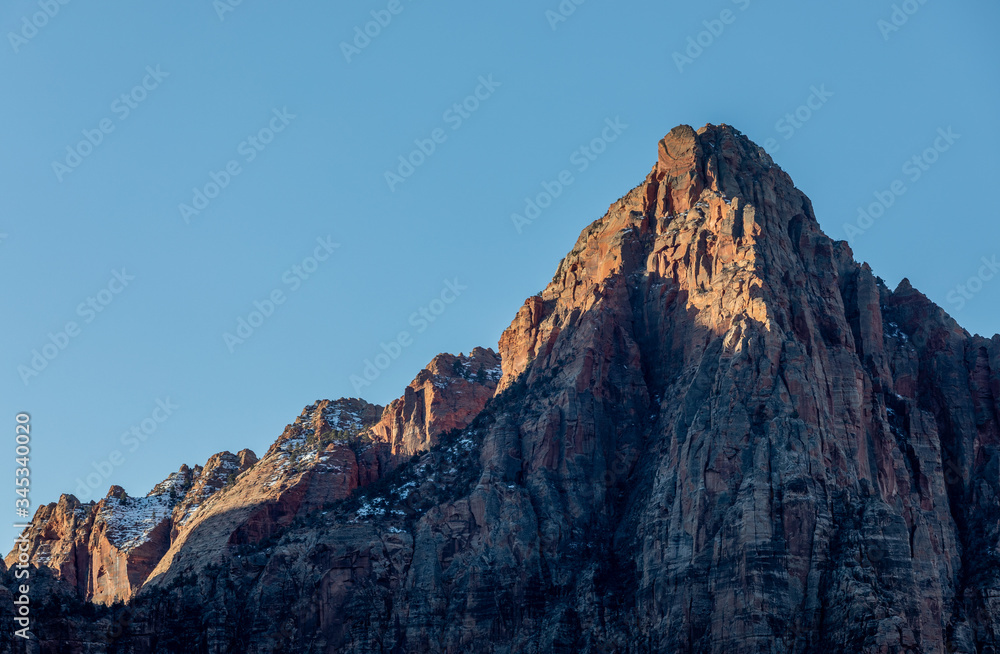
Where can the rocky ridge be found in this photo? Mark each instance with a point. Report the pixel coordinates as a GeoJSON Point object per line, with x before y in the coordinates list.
{"type": "Point", "coordinates": [106, 551]}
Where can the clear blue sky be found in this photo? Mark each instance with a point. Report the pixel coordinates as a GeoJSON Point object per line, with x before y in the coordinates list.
{"type": "Point", "coordinates": [217, 82]}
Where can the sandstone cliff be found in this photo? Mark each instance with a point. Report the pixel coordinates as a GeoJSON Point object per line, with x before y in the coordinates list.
{"type": "Point", "coordinates": [714, 432]}
{"type": "Point", "coordinates": [106, 551]}
{"type": "Point", "coordinates": [446, 395]}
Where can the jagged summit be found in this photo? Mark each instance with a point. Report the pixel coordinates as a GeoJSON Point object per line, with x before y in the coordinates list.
{"type": "Point", "coordinates": [716, 157]}
{"type": "Point", "coordinates": [343, 418]}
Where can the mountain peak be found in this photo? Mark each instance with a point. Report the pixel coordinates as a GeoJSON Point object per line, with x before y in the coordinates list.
{"type": "Point", "coordinates": [716, 227]}
{"type": "Point", "coordinates": [717, 158]}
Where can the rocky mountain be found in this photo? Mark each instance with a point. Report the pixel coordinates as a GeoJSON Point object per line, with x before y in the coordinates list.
{"type": "Point", "coordinates": [713, 431]}
{"type": "Point", "coordinates": [107, 550]}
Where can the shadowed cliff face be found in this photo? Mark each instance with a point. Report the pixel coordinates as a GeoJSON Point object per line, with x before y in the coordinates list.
{"type": "Point", "coordinates": [714, 432]}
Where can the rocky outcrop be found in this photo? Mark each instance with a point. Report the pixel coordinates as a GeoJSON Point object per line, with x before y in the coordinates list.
{"type": "Point", "coordinates": [317, 459]}
{"type": "Point", "coordinates": [105, 551]}
{"type": "Point", "coordinates": [332, 449]}
{"type": "Point", "coordinates": [714, 432]}
{"type": "Point", "coordinates": [59, 537]}
{"type": "Point", "coordinates": [446, 395]}
{"type": "Point", "coordinates": [108, 550]}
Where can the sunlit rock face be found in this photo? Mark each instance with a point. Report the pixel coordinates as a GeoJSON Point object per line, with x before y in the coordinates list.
{"type": "Point", "coordinates": [446, 395]}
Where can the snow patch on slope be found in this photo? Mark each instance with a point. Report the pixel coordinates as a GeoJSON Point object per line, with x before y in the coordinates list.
{"type": "Point", "coordinates": [130, 520]}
